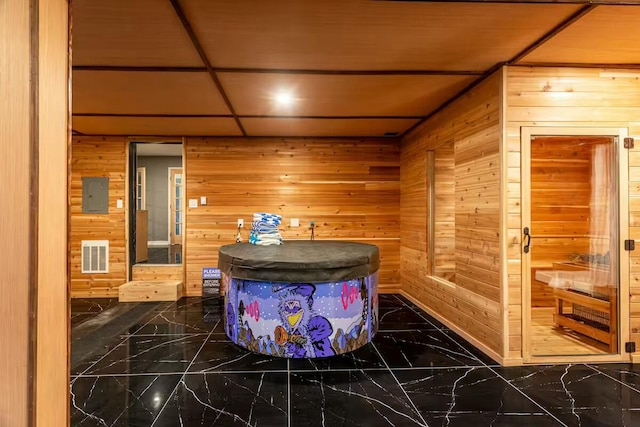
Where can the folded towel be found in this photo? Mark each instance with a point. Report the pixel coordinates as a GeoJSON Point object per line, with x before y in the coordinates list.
{"type": "Point", "coordinates": [264, 240]}
{"type": "Point", "coordinates": [261, 243]}
{"type": "Point", "coordinates": [267, 218]}
{"type": "Point", "coordinates": [264, 229]}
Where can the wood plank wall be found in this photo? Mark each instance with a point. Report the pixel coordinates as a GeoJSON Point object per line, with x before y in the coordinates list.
{"type": "Point", "coordinates": [580, 97]}
{"type": "Point", "coordinates": [560, 197]}
{"type": "Point", "coordinates": [472, 305]}
{"type": "Point", "coordinates": [98, 157]}
{"type": "Point", "coordinates": [349, 188]}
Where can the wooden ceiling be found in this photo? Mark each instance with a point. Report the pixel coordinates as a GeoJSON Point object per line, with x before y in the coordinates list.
{"type": "Point", "coordinates": [355, 68]}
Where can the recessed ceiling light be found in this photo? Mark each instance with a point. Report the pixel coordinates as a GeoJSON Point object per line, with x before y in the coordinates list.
{"type": "Point", "coordinates": [283, 99]}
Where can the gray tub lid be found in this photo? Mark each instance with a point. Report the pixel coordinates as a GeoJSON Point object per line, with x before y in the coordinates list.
{"type": "Point", "coordinates": [300, 261]}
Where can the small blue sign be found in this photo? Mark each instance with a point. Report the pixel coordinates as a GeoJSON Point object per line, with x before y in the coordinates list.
{"type": "Point", "coordinates": [211, 273]}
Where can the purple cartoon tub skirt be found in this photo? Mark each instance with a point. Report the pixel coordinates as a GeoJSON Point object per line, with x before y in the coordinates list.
{"type": "Point", "coordinates": [298, 300]}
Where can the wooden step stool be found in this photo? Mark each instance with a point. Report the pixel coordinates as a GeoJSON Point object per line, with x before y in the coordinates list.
{"type": "Point", "coordinates": [150, 290]}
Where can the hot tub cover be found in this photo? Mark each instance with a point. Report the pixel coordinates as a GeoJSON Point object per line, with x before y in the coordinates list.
{"type": "Point", "coordinates": [300, 261]}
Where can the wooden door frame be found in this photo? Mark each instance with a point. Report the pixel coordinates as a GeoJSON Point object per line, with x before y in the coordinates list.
{"type": "Point", "coordinates": [35, 175]}
{"type": "Point", "coordinates": [622, 156]}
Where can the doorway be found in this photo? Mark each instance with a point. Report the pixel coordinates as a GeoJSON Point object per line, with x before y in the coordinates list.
{"type": "Point", "coordinates": [573, 252]}
{"type": "Point", "coordinates": [159, 195]}
{"type": "Point", "coordinates": [176, 213]}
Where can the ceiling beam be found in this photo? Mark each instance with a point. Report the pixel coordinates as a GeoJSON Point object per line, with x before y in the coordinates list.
{"type": "Point", "coordinates": [139, 69]}
{"type": "Point", "coordinates": [228, 116]}
{"type": "Point", "coordinates": [263, 116]}
{"type": "Point", "coordinates": [242, 116]}
{"type": "Point", "coordinates": [588, 2]}
{"type": "Point", "coordinates": [351, 72]}
{"type": "Point", "coordinates": [203, 56]}
{"type": "Point", "coordinates": [576, 65]}
{"type": "Point", "coordinates": [554, 32]}
{"type": "Point", "coordinates": [280, 71]}
{"type": "Point", "coordinates": [135, 138]}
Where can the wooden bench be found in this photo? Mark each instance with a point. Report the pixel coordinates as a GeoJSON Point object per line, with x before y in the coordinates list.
{"type": "Point", "coordinates": [590, 310]}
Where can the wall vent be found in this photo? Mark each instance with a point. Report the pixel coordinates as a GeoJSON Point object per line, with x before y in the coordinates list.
{"type": "Point", "coordinates": [95, 256]}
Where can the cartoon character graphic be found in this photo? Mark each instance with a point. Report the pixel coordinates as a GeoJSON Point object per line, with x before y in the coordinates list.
{"type": "Point", "coordinates": [302, 333]}
{"type": "Point", "coordinates": [231, 322]}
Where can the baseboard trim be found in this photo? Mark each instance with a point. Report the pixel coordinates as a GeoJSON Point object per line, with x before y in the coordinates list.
{"type": "Point", "coordinates": [474, 341]}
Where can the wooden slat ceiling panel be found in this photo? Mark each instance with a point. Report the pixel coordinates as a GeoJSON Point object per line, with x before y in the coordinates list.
{"type": "Point", "coordinates": [179, 126]}
{"type": "Point", "coordinates": [606, 35]}
{"type": "Point", "coordinates": [324, 127]}
{"type": "Point", "coordinates": [367, 35]}
{"type": "Point", "coordinates": [146, 93]}
{"type": "Point", "coordinates": [130, 32]}
{"type": "Point", "coordinates": [331, 95]}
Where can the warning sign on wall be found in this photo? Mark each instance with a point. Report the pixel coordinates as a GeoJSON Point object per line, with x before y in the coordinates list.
{"type": "Point", "coordinates": [211, 278]}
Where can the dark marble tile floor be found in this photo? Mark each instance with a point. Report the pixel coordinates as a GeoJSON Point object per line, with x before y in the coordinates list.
{"type": "Point", "coordinates": [175, 367]}
{"type": "Point", "coordinates": [83, 309]}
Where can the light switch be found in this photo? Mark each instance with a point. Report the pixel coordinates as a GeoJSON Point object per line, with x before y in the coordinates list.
{"type": "Point", "coordinates": [119, 204]}
{"type": "Point", "coordinates": [295, 222]}
{"type": "Point", "coordinates": [240, 222]}
{"type": "Point", "coordinates": [193, 203]}
{"type": "Point", "coordinates": [203, 200]}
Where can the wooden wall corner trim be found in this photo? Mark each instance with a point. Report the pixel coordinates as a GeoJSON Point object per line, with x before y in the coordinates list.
{"type": "Point", "coordinates": [33, 181]}
{"type": "Point", "coordinates": [52, 312]}
{"type": "Point", "coordinates": [504, 210]}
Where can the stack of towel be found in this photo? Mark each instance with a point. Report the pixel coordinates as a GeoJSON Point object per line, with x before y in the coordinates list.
{"type": "Point", "coordinates": [264, 231]}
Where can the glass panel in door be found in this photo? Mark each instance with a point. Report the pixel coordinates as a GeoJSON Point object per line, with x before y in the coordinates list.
{"type": "Point", "coordinates": [176, 198]}
{"type": "Point", "coordinates": [574, 244]}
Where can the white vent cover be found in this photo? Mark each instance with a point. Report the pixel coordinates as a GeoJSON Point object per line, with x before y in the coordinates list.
{"type": "Point", "coordinates": [95, 256]}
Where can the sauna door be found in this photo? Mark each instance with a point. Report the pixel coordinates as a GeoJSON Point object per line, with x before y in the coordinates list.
{"type": "Point", "coordinates": [571, 244]}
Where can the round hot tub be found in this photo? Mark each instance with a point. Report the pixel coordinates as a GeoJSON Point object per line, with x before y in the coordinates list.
{"type": "Point", "coordinates": [302, 299]}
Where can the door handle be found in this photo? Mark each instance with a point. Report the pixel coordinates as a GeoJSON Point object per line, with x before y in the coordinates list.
{"type": "Point", "coordinates": [527, 237]}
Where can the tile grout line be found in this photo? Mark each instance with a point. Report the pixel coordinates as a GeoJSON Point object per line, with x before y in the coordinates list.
{"type": "Point", "coordinates": [175, 389]}
{"type": "Point", "coordinates": [611, 377]}
{"type": "Point", "coordinates": [413, 405]}
{"type": "Point", "coordinates": [495, 372]}
{"type": "Point", "coordinates": [524, 394]}
{"type": "Point", "coordinates": [99, 360]}
{"type": "Point", "coordinates": [174, 303]}
{"type": "Point", "coordinates": [288, 394]}
{"type": "Point", "coordinates": [283, 371]}
{"type": "Point", "coordinates": [123, 340]}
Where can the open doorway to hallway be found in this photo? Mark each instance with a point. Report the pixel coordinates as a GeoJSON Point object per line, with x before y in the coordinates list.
{"type": "Point", "coordinates": [159, 200]}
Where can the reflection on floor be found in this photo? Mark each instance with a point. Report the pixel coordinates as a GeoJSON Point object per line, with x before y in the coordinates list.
{"type": "Point", "coordinates": [175, 367]}
{"type": "Point", "coordinates": [548, 340]}
{"type": "Point", "coordinates": [171, 254]}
